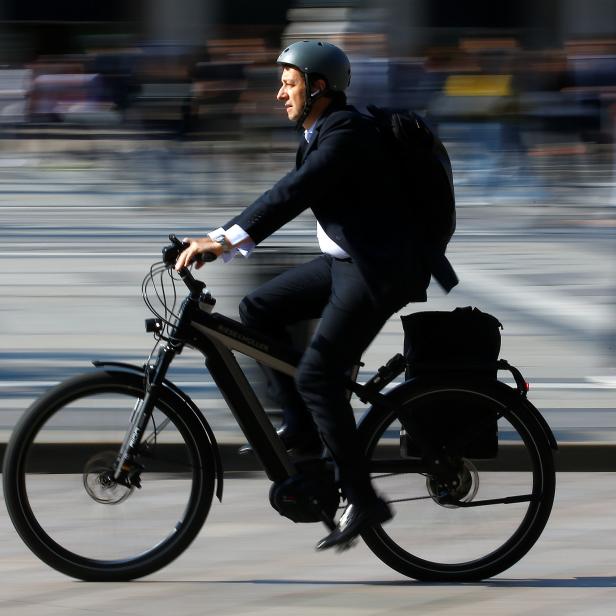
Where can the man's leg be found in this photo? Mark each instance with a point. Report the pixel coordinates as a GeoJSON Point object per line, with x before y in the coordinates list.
{"type": "Point", "coordinates": [349, 323]}
{"type": "Point", "coordinates": [295, 295]}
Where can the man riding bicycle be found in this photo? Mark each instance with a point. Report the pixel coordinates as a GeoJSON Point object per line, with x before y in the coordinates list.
{"type": "Point", "coordinates": [373, 264]}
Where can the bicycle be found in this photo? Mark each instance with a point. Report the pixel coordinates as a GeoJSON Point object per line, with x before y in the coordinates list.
{"type": "Point", "coordinates": [142, 465]}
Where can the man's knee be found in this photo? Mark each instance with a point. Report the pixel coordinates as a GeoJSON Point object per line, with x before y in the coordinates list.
{"type": "Point", "coordinates": [308, 381]}
{"type": "Point", "coordinates": [249, 311]}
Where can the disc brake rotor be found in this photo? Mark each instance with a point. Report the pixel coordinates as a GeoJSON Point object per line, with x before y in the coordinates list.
{"type": "Point", "coordinates": [99, 482]}
{"type": "Point", "coordinates": [465, 490]}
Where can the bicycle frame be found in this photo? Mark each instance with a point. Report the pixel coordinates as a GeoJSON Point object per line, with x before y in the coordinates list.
{"type": "Point", "coordinates": [216, 337]}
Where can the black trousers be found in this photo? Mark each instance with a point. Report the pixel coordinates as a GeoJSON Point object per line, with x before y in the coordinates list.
{"type": "Point", "coordinates": [335, 291]}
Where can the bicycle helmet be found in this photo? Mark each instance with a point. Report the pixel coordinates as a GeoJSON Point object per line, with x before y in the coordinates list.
{"type": "Point", "coordinates": [317, 59]}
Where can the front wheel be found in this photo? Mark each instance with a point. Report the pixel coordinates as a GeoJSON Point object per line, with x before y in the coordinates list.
{"type": "Point", "coordinates": [458, 518]}
{"type": "Point", "coordinates": [60, 489]}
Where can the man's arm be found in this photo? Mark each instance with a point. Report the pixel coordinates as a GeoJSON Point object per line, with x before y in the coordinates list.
{"type": "Point", "coordinates": [330, 164]}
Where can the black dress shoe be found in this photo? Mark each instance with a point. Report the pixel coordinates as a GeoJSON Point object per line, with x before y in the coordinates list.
{"type": "Point", "coordinates": [307, 442]}
{"type": "Point", "coordinates": [353, 521]}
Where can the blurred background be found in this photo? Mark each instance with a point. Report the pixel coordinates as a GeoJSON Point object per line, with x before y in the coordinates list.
{"type": "Point", "coordinates": [121, 122]}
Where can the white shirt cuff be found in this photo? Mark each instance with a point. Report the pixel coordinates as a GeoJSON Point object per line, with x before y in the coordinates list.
{"type": "Point", "coordinates": [238, 238]}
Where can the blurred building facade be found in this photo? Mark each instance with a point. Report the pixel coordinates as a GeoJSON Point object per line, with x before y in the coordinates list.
{"type": "Point", "coordinates": [523, 92]}
{"type": "Point", "coordinates": [30, 27]}
{"type": "Point", "coordinates": [507, 79]}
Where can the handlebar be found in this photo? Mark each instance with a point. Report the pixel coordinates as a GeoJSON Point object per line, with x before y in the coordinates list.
{"type": "Point", "coordinates": [170, 255]}
{"type": "Point", "coordinates": [194, 286]}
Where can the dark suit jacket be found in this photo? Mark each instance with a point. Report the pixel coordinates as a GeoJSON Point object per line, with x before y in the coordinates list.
{"type": "Point", "coordinates": [345, 177]}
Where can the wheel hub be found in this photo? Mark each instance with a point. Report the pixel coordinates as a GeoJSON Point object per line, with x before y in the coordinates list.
{"type": "Point", "coordinates": [99, 481]}
{"type": "Point", "coordinates": [462, 487]}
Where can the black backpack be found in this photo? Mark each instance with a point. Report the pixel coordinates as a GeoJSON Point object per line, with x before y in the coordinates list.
{"type": "Point", "coordinates": [424, 167]}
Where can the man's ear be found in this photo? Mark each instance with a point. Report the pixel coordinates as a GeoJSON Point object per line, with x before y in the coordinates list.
{"type": "Point", "coordinates": [317, 86]}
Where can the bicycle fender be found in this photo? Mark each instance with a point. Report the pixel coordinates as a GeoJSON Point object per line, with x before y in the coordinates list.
{"type": "Point", "coordinates": [536, 413]}
{"type": "Point", "coordinates": [425, 384]}
{"type": "Point", "coordinates": [175, 391]}
{"type": "Point", "coordinates": [514, 398]}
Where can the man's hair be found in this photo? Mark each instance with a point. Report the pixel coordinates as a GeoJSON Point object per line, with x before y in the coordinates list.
{"type": "Point", "coordinates": [337, 96]}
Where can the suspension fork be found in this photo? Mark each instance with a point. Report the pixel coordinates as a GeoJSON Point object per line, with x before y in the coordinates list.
{"type": "Point", "coordinates": [140, 417]}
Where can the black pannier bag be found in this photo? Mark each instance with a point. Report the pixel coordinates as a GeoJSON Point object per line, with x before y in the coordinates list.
{"type": "Point", "coordinates": [462, 344]}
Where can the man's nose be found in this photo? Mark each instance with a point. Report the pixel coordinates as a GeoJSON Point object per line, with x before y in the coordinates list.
{"type": "Point", "coordinates": [281, 95]}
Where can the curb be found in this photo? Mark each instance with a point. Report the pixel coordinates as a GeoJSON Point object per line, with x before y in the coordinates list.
{"type": "Point", "coordinates": [570, 457]}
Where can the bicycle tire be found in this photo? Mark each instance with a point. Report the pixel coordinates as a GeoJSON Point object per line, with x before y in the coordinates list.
{"type": "Point", "coordinates": [26, 456]}
{"type": "Point", "coordinates": [537, 450]}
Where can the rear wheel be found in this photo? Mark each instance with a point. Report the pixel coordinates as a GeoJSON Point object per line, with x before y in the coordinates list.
{"type": "Point", "coordinates": [457, 518]}
{"type": "Point", "coordinates": [62, 495]}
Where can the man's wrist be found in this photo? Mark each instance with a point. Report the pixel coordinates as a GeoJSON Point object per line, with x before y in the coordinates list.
{"type": "Point", "coordinates": [219, 236]}
{"type": "Point", "coordinates": [235, 239]}
{"type": "Point", "coordinates": [222, 240]}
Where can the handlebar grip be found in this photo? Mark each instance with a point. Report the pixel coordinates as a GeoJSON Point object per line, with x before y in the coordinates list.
{"type": "Point", "coordinates": [171, 253]}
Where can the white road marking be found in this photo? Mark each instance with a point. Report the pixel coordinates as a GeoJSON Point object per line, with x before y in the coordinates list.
{"type": "Point", "coordinates": [557, 307]}
{"type": "Point", "coordinates": [42, 253]}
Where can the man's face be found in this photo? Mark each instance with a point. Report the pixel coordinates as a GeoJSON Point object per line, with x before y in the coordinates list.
{"type": "Point", "coordinates": [292, 92]}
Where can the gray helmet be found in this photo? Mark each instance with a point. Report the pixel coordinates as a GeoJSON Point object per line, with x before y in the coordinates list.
{"type": "Point", "coordinates": [322, 58]}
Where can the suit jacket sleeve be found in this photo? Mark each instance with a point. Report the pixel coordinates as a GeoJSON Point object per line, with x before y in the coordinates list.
{"type": "Point", "coordinates": [328, 164]}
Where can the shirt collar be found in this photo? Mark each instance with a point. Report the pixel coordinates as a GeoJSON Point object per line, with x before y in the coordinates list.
{"type": "Point", "coordinates": [309, 132]}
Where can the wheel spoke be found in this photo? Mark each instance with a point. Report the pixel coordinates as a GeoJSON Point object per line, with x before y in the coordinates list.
{"type": "Point", "coordinates": [406, 500]}
{"type": "Point", "coordinates": [147, 440]}
{"type": "Point", "coordinates": [396, 466]}
{"type": "Point", "coordinates": [164, 460]}
{"type": "Point", "coordinates": [508, 500]}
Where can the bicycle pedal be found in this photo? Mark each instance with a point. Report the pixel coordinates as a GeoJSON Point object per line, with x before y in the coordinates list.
{"type": "Point", "coordinates": [245, 450]}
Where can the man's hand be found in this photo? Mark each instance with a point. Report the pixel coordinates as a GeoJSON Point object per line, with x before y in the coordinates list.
{"type": "Point", "coordinates": [196, 247]}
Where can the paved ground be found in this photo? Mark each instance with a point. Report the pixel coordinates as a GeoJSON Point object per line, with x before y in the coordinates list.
{"type": "Point", "coordinates": [249, 561]}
